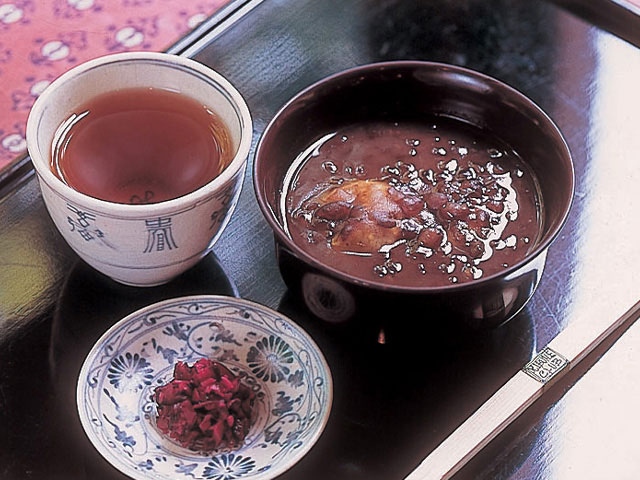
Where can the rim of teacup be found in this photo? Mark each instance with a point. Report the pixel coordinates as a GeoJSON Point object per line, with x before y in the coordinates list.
{"type": "Point", "coordinates": [40, 159]}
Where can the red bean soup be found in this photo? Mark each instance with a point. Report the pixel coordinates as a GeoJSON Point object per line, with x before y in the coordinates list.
{"type": "Point", "coordinates": [426, 204]}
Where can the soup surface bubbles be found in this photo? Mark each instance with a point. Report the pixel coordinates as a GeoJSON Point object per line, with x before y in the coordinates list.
{"type": "Point", "coordinates": [412, 204]}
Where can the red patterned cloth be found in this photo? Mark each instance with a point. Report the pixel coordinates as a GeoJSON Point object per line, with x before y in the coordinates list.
{"type": "Point", "coordinates": [40, 39]}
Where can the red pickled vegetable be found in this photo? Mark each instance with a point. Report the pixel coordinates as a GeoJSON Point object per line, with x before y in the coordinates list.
{"type": "Point", "coordinates": [204, 407]}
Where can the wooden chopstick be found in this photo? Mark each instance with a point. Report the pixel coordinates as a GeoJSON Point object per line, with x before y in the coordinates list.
{"type": "Point", "coordinates": [563, 353]}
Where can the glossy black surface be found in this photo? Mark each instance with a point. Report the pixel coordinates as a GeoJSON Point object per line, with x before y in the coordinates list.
{"type": "Point", "coordinates": [394, 403]}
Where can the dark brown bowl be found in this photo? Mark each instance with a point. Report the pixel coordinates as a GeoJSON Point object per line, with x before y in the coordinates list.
{"type": "Point", "coordinates": [410, 90]}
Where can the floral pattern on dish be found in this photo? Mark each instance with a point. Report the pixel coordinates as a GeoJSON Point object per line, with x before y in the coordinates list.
{"type": "Point", "coordinates": [270, 354]}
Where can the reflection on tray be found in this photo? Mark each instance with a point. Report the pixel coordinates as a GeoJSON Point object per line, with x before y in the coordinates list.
{"type": "Point", "coordinates": [412, 389]}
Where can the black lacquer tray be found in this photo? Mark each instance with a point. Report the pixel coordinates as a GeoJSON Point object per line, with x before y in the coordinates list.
{"type": "Point", "coordinates": [394, 402]}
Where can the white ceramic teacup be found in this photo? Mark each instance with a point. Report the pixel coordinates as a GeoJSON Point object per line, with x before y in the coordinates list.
{"type": "Point", "coordinates": [146, 244]}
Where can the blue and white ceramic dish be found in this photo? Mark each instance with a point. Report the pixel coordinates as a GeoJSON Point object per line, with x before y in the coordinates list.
{"type": "Point", "coordinates": [272, 355]}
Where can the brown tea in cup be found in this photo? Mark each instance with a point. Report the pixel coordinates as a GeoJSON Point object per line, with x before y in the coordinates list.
{"type": "Point", "coordinates": [178, 131]}
{"type": "Point", "coordinates": [140, 145]}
